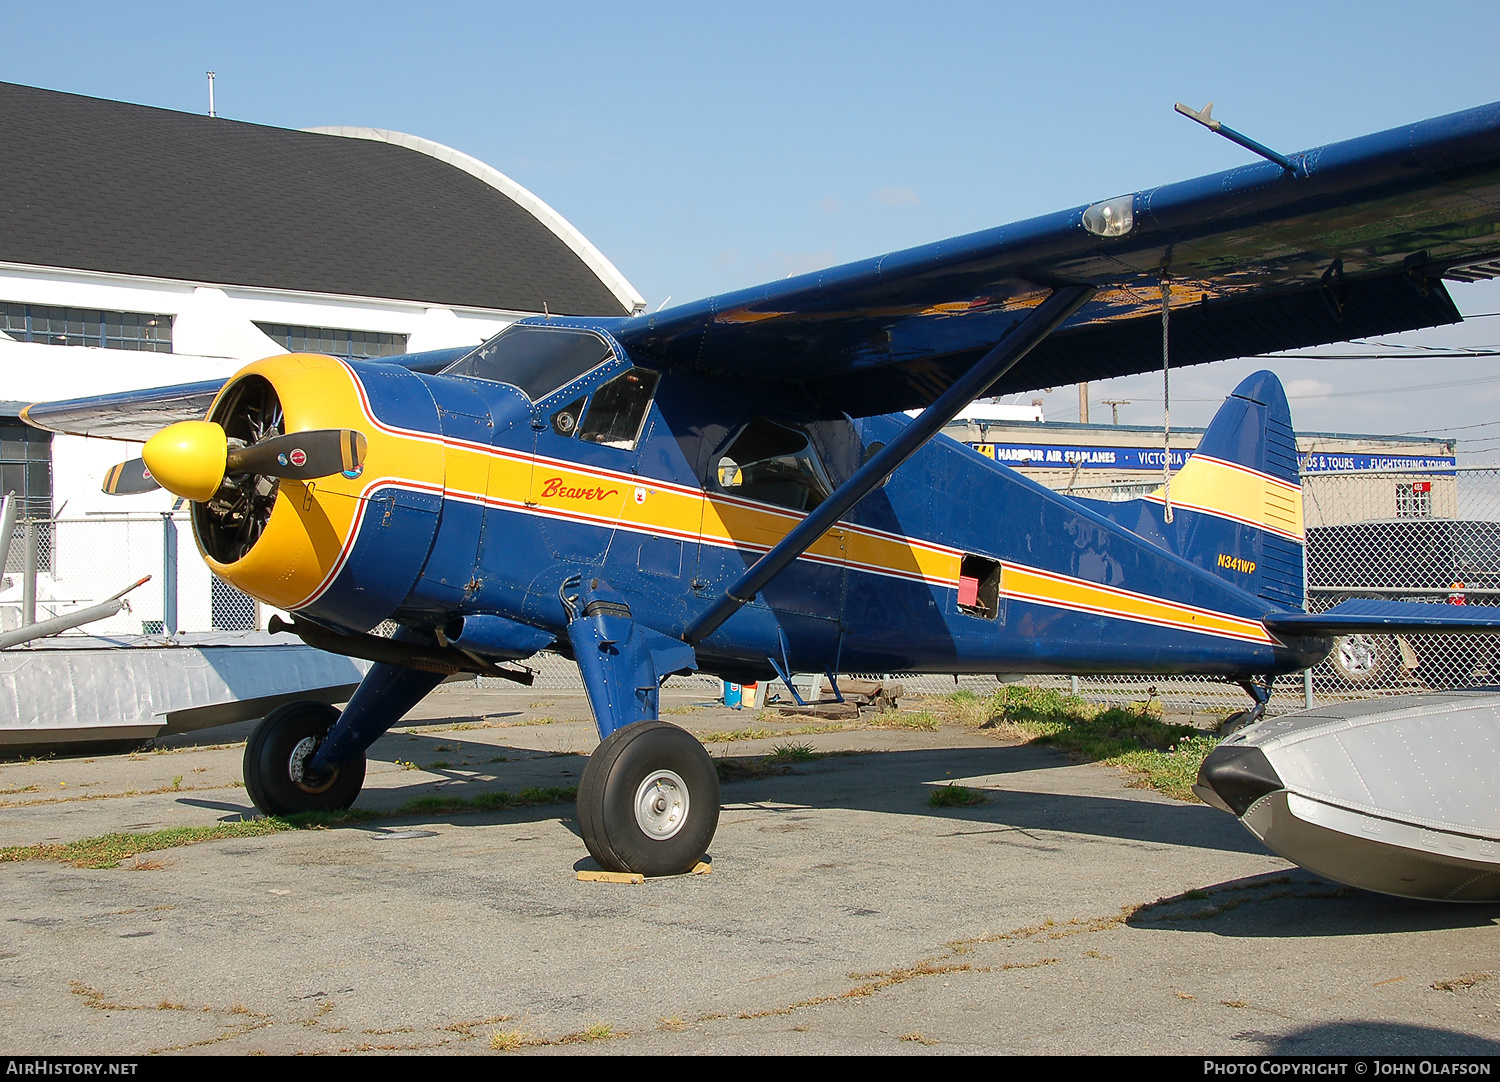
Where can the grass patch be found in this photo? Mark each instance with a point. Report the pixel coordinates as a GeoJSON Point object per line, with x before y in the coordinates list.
{"type": "Point", "coordinates": [924, 720]}
{"type": "Point", "coordinates": [793, 753]}
{"type": "Point", "coordinates": [729, 736]}
{"type": "Point", "coordinates": [109, 850]}
{"type": "Point", "coordinates": [1134, 738]}
{"type": "Point", "coordinates": [956, 796]}
{"type": "Point", "coordinates": [499, 800]}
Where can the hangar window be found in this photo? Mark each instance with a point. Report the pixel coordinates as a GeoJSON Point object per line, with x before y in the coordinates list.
{"type": "Point", "coordinates": [350, 345]}
{"type": "Point", "coordinates": [86, 327]}
{"type": "Point", "coordinates": [538, 360]}
{"type": "Point", "coordinates": [618, 409]}
{"type": "Point", "coordinates": [774, 464]}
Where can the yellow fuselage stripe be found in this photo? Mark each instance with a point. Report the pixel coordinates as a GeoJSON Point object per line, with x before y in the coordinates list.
{"type": "Point", "coordinates": [1062, 591]}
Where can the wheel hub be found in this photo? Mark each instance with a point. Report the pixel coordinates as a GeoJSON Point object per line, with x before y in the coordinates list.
{"type": "Point", "coordinates": [1356, 655]}
{"type": "Point", "coordinates": [301, 776]}
{"type": "Point", "coordinates": [661, 805]}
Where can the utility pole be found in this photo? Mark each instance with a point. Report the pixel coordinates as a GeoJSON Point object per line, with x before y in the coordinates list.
{"type": "Point", "coordinates": [1083, 403]}
{"type": "Point", "coordinates": [1114, 405]}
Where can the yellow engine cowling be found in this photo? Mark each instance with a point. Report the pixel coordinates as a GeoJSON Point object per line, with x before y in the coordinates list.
{"type": "Point", "coordinates": [306, 540]}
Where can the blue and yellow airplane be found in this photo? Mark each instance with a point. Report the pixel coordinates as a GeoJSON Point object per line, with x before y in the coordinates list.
{"type": "Point", "coordinates": [730, 486]}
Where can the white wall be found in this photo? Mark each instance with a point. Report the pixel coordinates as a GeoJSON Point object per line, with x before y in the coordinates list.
{"type": "Point", "coordinates": [214, 335]}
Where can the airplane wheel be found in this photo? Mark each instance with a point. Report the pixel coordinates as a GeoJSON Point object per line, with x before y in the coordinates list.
{"type": "Point", "coordinates": [1364, 660]}
{"type": "Point", "coordinates": [648, 801]}
{"type": "Point", "coordinates": [276, 756]}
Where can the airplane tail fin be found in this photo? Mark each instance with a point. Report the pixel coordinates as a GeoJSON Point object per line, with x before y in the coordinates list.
{"type": "Point", "coordinates": [1237, 501]}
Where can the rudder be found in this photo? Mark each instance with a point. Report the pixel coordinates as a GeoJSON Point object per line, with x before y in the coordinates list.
{"type": "Point", "coordinates": [1237, 501]}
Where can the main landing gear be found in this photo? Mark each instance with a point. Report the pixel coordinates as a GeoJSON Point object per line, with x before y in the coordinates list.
{"type": "Point", "coordinates": [278, 757]}
{"type": "Point", "coordinates": [648, 801]}
{"type": "Point", "coordinates": [649, 798]}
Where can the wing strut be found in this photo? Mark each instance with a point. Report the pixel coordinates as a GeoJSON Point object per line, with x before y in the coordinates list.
{"type": "Point", "coordinates": [1019, 341]}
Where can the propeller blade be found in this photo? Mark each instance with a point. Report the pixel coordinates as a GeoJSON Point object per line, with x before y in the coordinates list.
{"type": "Point", "coordinates": [129, 479]}
{"type": "Point", "coordinates": [302, 456]}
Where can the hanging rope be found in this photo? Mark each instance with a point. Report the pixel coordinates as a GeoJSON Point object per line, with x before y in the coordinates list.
{"type": "Point", "coordinates": [1166, 397]}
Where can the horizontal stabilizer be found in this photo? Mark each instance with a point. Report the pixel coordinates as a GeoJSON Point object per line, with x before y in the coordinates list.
{"type": "Point", "coordinates": [1391, 617]}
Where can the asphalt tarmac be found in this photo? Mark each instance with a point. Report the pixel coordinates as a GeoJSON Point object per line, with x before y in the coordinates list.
{"type": "Point", "coordinates": [1070, 913]}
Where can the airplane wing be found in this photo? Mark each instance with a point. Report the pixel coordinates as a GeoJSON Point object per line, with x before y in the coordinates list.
{"type": "Point", "coordinates": [1388, 617]}
{"type": "Point", "coordinates": [139, 415]}
{"type": "Point", "coordinates": [1353, 241]}
{"type": "Point", "coordinates": [128, 415]}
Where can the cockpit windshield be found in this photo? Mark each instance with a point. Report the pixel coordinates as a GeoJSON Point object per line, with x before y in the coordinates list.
{"type": "Point", "coordinates": [538, 360]}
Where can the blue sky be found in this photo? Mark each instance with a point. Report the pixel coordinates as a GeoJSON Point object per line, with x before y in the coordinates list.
{"type": "Point", "coordinates": [706, 147]}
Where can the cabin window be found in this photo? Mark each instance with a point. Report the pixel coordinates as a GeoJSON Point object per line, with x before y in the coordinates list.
{"type": "Point", "coordinates": [979, 587]}
{"type": "Point", "coordinates": [618, 409]}
{"type": "Point", "coordinates": [538, 360]}
{"type": "Point", "coordinates": [774, 464]}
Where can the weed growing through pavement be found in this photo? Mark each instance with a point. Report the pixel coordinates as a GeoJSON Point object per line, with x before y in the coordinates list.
{"type": "Point", "coordinates": [1134, 738]}
{"type": "Point", "coordinates": [108, 850]}
{"type": "Point", "coordinates": [956, 796]}
{"type": "Point", "coordinates": [792, 753]}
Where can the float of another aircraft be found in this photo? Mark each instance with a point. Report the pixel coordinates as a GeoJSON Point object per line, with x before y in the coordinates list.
{"type": "Point", "coordinates": [731, 486]}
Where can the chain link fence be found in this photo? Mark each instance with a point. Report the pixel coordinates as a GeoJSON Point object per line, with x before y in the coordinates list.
{"type": "Point", "coordinates": [58, 565]}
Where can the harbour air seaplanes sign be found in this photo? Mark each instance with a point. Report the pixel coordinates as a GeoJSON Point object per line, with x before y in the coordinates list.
{"type": "Point", "coordinates": [1063, 456]}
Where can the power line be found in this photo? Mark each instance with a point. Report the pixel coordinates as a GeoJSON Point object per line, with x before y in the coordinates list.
{"type": "Point", "coordinates": [1381, 390]}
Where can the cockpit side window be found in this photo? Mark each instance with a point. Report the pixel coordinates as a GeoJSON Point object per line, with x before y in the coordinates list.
{"type": "Point", "coordinates": [775, 464]}
{"type": "Point", "coordinates": [538, 360]}
{"type": "Point", "coordinates": [618, 409]}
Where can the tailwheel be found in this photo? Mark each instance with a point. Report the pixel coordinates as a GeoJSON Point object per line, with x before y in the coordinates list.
{"type": "Point", "coordinates": [277, 774]}
{"type": "Point", "coordinates": [649, 800]}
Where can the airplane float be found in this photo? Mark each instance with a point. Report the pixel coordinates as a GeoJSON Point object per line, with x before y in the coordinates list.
{"type": "Point", "coordinates": [731, 486]}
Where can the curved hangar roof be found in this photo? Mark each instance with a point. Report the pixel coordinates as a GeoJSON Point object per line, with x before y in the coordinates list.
{"type": "Point", "coordinates": [100, 185]}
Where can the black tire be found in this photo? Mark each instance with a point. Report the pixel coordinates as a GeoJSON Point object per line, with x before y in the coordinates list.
{"type": "Point", "coordinates": [269, 763]}
{"type": "Point", "coordinates": [620, 773]}
{"type": "Point", "coordinates": [1364, 661]}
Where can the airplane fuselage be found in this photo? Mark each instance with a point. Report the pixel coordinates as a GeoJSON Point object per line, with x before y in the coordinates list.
{"type": "Point", "coordinates": [474, 499]}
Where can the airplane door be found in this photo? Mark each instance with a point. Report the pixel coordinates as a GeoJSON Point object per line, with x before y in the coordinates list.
{"type": "Point", "coordinates": [584, 476]}
{"type": "Point", "coordinates": [660, 521]}
{"type": "Point", "coordinates": [761, 485]}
